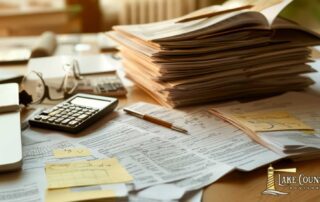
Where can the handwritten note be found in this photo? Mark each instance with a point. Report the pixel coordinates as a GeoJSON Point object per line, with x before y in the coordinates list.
{"type": "Point", "coordinates": [271, 121]}
{"type": "Point", "coordinates": [71, 152]}
{"type": "Point", "coordinates": [83, 173]}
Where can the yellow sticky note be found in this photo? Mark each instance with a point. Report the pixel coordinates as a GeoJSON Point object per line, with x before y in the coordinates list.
{"type": "Point", "coordinates": [67, 195]}
{"type": "Point", "coordinates": [271, 121]}
{"type": "Point", "coordinates": [71, 152]}
{"type": "Point", "coordinates": [84, 173]}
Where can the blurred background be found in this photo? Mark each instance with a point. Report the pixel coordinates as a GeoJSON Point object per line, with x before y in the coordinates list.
{"type": "Point", "coordinates": [32, 17]}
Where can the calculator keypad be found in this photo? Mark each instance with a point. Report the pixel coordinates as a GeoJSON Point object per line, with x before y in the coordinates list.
{"type": "Point", "coordinates": [66, 114]}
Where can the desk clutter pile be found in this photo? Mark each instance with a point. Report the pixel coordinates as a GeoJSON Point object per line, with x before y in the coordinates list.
{"type": "Point", "coordinates": [195, 59]}
{"type": "Point", "coordinates": [129, 159]}
{"type": "Point", "coordinates": [198, 59]}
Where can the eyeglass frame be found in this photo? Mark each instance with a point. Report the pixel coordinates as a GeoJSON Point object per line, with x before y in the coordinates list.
{"type": "Point", "coordinates": [46, 94]}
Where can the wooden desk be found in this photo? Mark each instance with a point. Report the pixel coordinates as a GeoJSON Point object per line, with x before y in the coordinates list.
{"type": "Point", "coordinates": [238, 186]}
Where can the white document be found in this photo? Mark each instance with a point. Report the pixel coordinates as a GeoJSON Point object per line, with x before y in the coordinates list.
{"type": "Point", "coordinates": [156, 155]}
{"type": "Point", "coordinates": [209, 136]}
{"type": "Point", "coordinates": [23, 186]}
{"type": "Point", "coordinates": [194, 196]}
{"type": "Point", "coordinates": [30, 185]}
{"type": "Point", "coordinates": [172, 29]}
{"type": "Point", "coordinates": [31, 137]}
{"type": "Point", "coordinates": [176, 190]}
{"type": "Point", "coordinates": [163, 192]}
{"type": "Point", "coordinates": [148, 157]}
{"type": "Point", "coordinates": [37, 155]}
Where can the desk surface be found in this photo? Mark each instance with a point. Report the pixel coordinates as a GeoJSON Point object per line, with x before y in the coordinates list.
{"type": "Point", "coordinates": [239, 186]}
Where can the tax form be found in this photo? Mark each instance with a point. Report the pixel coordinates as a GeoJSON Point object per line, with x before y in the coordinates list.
{"type": "Point", "coordinates": [155, 155]}
{"type": "Point", "coordinates": [157, 158]}
{"type": "Point", "coordinates": [23, 186]}
{"type": "Point", "coordinates": [37, 155]}
{"type": "Point", "coordinates": [209, 136]}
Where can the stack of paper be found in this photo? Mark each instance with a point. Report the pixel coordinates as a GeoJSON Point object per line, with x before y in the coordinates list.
{"type": "Point", "coordinates": [288, 124]}
{"type": "Point", "coordinates": [221, 52]}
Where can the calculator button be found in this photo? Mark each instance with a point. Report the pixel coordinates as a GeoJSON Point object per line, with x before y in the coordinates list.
{"type": "Point", "coordinates": [44, 118]}
{"type": "Point", "coordinates": [64, 122]}
{"type": "Point", "coordinates": [46, 112]}
{"type": "Point", "coordinates": [58, 120]}
{"type": "Point", "coordinates": [73, 123]}
{"type": "Point", "coordinates": [83, 116]}
{"type": "Point", "coordinates": [54, 112]}
{"type": "Point", "coordinates": [52, 119]}
{"type": "Point", "coordinates": [58, 115]}
{"type": "Point", "coordinates": [38, 117]}
{"type": "Point", "coordinates": [54, 108]}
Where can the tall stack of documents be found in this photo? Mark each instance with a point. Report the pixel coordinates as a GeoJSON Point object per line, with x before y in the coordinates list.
{"type": "Point", "coordinates": [288, 124]}
{"type": "Point", "coordinates": [238, 49]}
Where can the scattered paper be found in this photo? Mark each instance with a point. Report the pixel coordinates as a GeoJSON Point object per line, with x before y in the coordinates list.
{"type": "Point", "coordinates": [37, 155]}
{"type": "Point", "coordinates": [22, 186]}
{"type": "Point", "coordinates": [84, 173]}
{"type": "Point", "coordinates": [71, 152]}
{"type": "Point", "coordinates": [66, 194]}
{"type": "Point", "coordinates": [270, 121]}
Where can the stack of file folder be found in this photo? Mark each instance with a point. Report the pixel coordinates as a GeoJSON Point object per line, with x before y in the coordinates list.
{"type": "Point", "coordinates": [287, 124]}
{"type": "Point", "coordinates": [238, 49]}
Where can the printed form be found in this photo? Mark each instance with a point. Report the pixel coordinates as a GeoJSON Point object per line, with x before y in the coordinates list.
{"type": "Point", "coordinates": [157, 158]}
{"type": "Point", "coordinates": [154, 155]}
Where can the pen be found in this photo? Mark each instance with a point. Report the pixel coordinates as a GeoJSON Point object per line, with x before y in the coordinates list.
{"type": "Point", "coordinates": [154, 120]}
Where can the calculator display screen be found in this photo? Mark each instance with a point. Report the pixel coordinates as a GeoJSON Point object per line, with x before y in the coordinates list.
{"type": "Point", "coordinates": [94, 103]}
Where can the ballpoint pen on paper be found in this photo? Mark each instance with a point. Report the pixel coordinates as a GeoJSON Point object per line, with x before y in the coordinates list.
{"type": "Point", "coordinates": [154, 120]}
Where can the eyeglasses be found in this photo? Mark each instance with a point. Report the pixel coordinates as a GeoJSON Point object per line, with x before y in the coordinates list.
{"type": "Point", "coordinates": [35, 89]}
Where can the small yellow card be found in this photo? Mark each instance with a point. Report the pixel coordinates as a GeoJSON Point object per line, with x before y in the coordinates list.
{"type": "Point", "coordinates": [271, 121]}
{"type": "Point", "coordinates": [66, 195]}
{"type": "Point", "coordinates": [82, 173]}
{"type": "Point", "coordinates": [71, 152]}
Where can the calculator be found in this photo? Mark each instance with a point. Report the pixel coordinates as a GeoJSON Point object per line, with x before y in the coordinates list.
{"type": "Point", "coordinates": [106, 84]}
{"type": "Point", "coordinates": [75, 114]}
